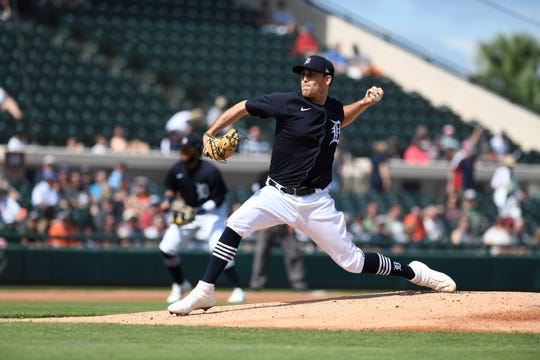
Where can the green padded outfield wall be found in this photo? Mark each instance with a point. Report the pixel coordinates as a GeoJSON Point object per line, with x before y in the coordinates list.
{"type": "Point", "coordinates": [144, 267]}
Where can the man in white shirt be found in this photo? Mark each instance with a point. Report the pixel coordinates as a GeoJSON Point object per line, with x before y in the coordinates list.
{"type": "Point", "coordinates": [184, 121]}
{"type": "Point", "coordinates": [506, 191]}
{"type": "Point", "coordinates": [9, 208]}
{"type": "Point", "coordinates": [18, 142]}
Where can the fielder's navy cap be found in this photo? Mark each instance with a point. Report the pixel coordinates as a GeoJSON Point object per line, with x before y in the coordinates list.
{"type": "Point", "coordinates": [191, 141]}
{"type": "Point", "coordinates": [316, 63]}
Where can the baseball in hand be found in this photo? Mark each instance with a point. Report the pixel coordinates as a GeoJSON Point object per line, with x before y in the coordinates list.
{"type": "Point", "coordinates": [375, 95]}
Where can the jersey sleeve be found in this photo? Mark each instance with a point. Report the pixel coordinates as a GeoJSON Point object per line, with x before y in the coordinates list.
{"type": "Point", "coordinates": [169, 183]}
{"type": "Point", "coordinates": [270, 105]}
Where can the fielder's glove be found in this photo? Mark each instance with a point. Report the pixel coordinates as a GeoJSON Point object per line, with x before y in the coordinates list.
{"type": "Point", "coordinates": [222, 147]}
{"type": "Point", "coordinates": [182, 214]}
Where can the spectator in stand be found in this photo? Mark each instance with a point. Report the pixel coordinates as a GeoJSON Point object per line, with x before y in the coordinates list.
{"type": "Point", "coordinates": [62, 232]}
{"type": "Point", "coordinates": [129, 232]}
{"type": "Point", "coordinates": [73, 144]}
{"type": "Point", "coordinates": [447, 144]}
{"type": "Point", "coordinates": [220, 102]}
{"type": "Point", "coordinates": [118, 142]}
{"type": "Point", "coordinates": [155, 231]}
{"type": "Point", "coordinates": [360, 65]}
{"type": "Point", "coordinates": [452, 209]}
{"type": "Point", "coordinates": [138, 146]}
{"type": "Point", "coordinates": [100, 189]}
{"type": "Point", "coordinates": [8, 103]}
{"type": "Point", "coordinates": [424, 141]}
{"type": "Point", "coordinates": [500, 144]}
{"type": "Point", "coordinates": [357, 230]}
{"type": "Point", "coordinates": [100, 210]}
{"type": "Point", "coordinates": [394, 224]}
{"type": "Point", "coordinates": [86, 176]}
{"type": "Point", "coordinates": [10, 210]}
{"type": "Point", "coordinates": [184, 121]}
{"type": "Point", "coordinates": [413, 224]}
{"type": "Point", "coordinates": [462, 234]}
{"type": "Point", "coordinates": [18, 142]}
{"type": "Point", "coordinates": [63, 180]}
{"type": "Point", "coordinates": [305, 43]}
{"type": "Point", "coordinates": [107, 234]}
{"type": "Point", "coordinates": [499, 237]}
{"type": "Point", "coordinates": [421, 150]}
{"type": "Point", "coordinates": [507, 193]}
{"type": "Point", "coordinates": [415, 154]}
{"type": "Point", "coordinates": [370, 219]}
{"type": "Point", "coordinates": [340, 61]}
{"type": "Point", "coordinates": [463, 163]}
{"type": "Point", "coordinates": [461, 175]}
{"type": "Point", "coordinates": [380, 238]}
{"type": "Point", "coordinates": [469, 206]}
{"type": "Point", "coordinates": [48, 164]}
{"type": "Point", "coordinates": [117, 175]}
{"type": "Point", "coordinates": [45, 199]}
{"type": "Point", "coordinates": [101, 145]}
{"type": "Point", "coordinates": [31, 236]}
{"type": "Point", "coordinates": [255, 143]}
{"type": "Point", "coordinates": [150, 212]}
{"type": "Point", "coordinates": [170, 144]}
{"type": "Point", "coordinates": [379, 179]}
{"type": "Point", "coordinates": [74, 191]}
{"type": "Point", "coordinates": [433, 225]}
{"type": "Point", "coordinates": [138, 198]}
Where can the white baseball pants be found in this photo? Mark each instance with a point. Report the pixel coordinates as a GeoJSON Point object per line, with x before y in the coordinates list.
{"type": "Point", "coordinates": [315, 215]}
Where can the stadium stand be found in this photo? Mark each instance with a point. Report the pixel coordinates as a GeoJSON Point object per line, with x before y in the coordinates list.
{"type": "Point", "coordinates": [81, 68]}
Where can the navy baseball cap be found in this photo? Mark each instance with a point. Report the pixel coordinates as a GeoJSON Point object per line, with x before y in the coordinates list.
{"type": "Point", "coordinates": [316, 63]}
{"type": "Point", "coordinates": [191, 141]}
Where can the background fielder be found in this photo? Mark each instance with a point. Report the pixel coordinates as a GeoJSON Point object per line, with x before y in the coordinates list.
{"type": "Point", "coordinates": [308, 125]}
{"type": "Point", "coordinates": [201, 186]}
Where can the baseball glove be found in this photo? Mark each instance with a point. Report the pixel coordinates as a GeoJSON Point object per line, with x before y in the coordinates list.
{"type": "Point", "coordinates": [222, 147]}
{"type": "Point", "coordinates": [182, 214]}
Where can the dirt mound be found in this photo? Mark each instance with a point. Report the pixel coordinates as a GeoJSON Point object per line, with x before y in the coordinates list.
{"type": "Point", "coordinates": [403, 310]}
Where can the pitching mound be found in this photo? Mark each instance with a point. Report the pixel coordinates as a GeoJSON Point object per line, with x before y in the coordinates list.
{"type": "Point", "coordinates": [404, 310]}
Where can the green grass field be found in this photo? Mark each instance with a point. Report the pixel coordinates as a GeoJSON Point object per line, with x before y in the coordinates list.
{"type": "Point", "coordinates": [26, 340]}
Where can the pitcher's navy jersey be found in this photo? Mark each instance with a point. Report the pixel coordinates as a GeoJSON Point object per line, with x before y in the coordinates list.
{"type": "Point", "coordinates": [197, 186]}
{"type": "Point", "coordinates": [306, 137]}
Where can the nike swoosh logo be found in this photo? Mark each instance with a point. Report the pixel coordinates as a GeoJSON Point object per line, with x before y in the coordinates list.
{"type": "Point", "coordinates": [179, 176]}
{"type": "Point", "coordinates": [304, 109]}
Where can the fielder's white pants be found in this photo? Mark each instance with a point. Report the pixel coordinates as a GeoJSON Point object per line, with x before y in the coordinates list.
{"type": "Point", "coordinates": [315, 215]}
{"type": "Point", "coordinates": [205, 227]}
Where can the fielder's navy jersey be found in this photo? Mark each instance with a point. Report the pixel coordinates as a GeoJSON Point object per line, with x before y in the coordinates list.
{"type": "Point", "coordinates": [196, 187]}
{"type": "Point", "coordinates": [306, 137]}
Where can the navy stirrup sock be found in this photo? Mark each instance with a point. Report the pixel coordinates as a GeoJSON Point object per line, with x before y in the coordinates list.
{"type": "Point", "coordinates": [379, 264]}
{"type": "Point", "coordinates": [224, 252]}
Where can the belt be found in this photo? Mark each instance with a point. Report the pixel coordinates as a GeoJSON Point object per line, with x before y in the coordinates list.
{"type": "Point", "coordinates": [301, 191]}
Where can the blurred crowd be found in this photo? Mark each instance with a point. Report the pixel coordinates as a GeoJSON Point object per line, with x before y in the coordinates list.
{"type": "Point", "coordinates": [98, 207]}
{"type": "Point", "coordinates": [102, 208]}
{"type": "Point", "coordinates": [84, 207]}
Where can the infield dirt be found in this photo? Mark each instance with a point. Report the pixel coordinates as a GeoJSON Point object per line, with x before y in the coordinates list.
{"type": "Point", "coordinates": [402, 310]}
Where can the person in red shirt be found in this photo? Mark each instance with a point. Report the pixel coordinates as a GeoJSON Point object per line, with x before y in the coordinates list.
{"type": "Point", "coordinates": [414, 225]}
{"type": "Point", "coordinates": [305, 43]}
